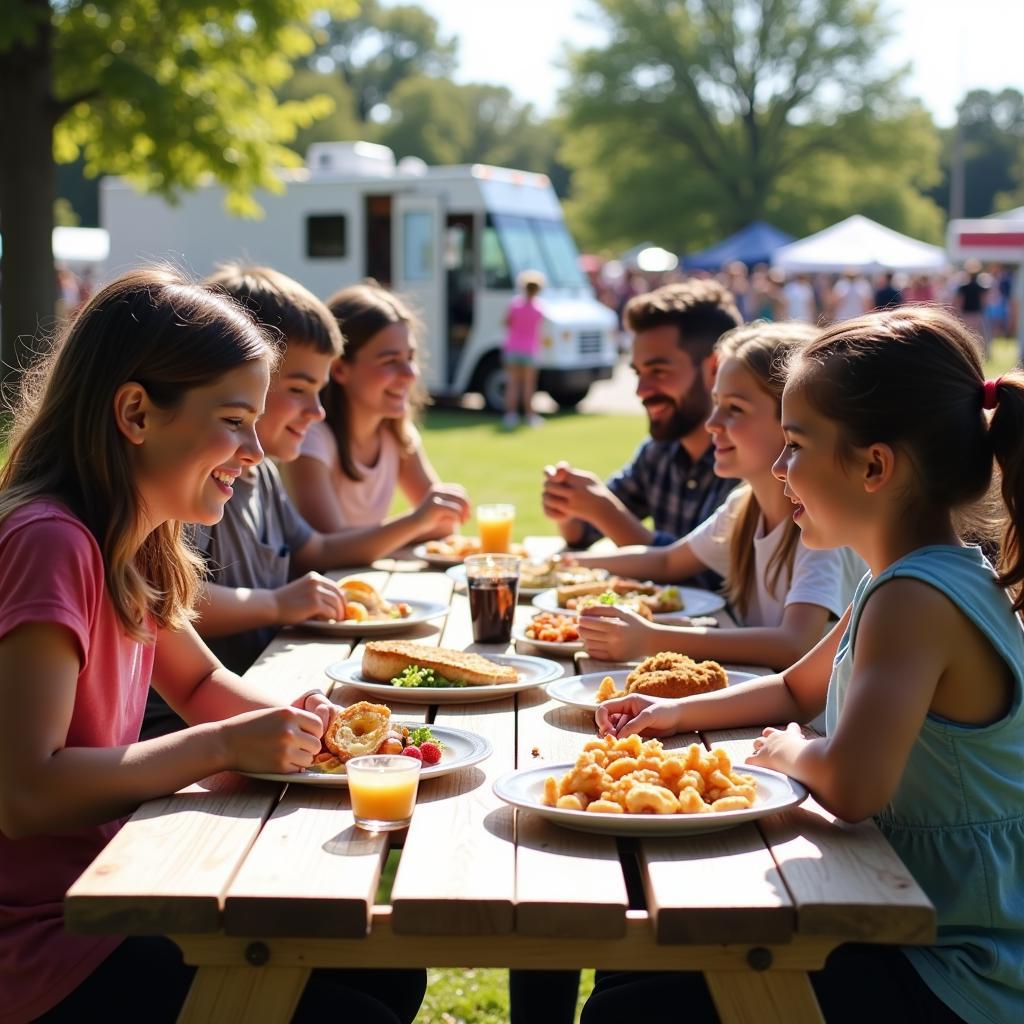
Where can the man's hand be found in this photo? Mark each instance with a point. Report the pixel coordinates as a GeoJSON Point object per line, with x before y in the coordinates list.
{"type": "Point", "coordinates": [571, 493]}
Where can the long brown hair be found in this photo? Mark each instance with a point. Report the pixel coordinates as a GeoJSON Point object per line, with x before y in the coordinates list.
{"type": "Point", "coordinates": [912, 378]}
{"type": "Point", "coordinates": [764, 349]}
{"type": "Point", "coordinates": [152, 327]}
{"type": "Point", "coordinates": [363, 311]}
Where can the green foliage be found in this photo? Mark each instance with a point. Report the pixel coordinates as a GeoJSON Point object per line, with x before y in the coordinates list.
{"type": "Point", "coordinates": [166, 94]}
{"type": "Point", "coordinates": [340, 122]}
{"type": "Point", "coordinates": [702, 115]}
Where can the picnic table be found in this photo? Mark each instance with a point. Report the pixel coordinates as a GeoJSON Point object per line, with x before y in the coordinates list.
{"type": "Point", "coordinates": [259, 882]}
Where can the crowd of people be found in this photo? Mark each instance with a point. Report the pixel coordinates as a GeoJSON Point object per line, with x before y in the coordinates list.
{"type": "Point", "coordinates": [982, 297]}
{"type": "Point", "coordinates": [192, 457]}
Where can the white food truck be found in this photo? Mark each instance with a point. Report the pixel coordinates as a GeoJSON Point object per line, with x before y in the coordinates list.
{"type": "Point", "coordinates": [451, 240]}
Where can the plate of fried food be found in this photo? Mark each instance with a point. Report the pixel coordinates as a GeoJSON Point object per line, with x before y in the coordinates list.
{"type": "Point", "coordinates": [403, 670]}
{"type": "Point", "coordinates": [669, 674]}
{"type": "Point", "coordinates": [365, 728]}
{"type": "Point", "coordinates": [367, 611]}
{"type": "Point", "coordinates": [667, 604]}
{"type": "Point", "coordinates": [634, 787]}
{"type": "Point", "coordinates": [536, 576]}
{"type": "Point", "coordinates": [454, 548]}
{"type": "Point", "coordinates": [551, 633]}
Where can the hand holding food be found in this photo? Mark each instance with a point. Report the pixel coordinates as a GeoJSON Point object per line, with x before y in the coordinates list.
{"type": "Point", "coordinates": [616, 634]}
{"type": "Point", "coordinates": [403, 663]}
{"type": "Point", "coordinates": [627, 776]}
{"type": "Point", "coordinates": [364, 603]}
{"type": "Point", "coordinates": [365, 728]}
{"type": "Point", "coordinates": [271, 739]}
{"type": "Point", "coordinates": [309, 597]}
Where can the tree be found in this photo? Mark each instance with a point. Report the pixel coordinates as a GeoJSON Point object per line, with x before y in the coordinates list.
{"type": "Point", "coordinates": [702, 115]}
{"type": "Point", "coordinates": [381, 47]}
{"type": "Point", "coordinates": [161, 93]}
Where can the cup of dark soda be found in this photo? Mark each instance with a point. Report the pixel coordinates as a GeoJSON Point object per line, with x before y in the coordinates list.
{"type": "Point", "coordinates": [492, 582]}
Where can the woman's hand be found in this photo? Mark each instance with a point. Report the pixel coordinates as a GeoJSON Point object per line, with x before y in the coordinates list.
{"type": "Point", "coordinates": [778, 748]}
{"type": "Point", "coordinates": [309, 597]}
{"type": "Point", "coordinates": [637, 713]}
{"type": "Point", "coordinates": [271, 740]}
{"type": "Point", "coordinates": [615, 634]}
{"type": "Point", "coordinates": [444, 509]}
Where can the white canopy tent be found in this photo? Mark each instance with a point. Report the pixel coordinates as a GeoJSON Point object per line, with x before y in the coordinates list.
{"type": "Point", "coordinates": [861, 244]}
{"type": "Point", "coordinates": [79, 247]}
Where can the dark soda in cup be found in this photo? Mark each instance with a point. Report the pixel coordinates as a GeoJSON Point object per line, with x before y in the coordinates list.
{"type": "Point", "coordinates": [493, 585]}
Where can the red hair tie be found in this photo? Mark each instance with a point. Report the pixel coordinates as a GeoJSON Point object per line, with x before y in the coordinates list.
{"type": "Point", "coordinates": [990, 398]}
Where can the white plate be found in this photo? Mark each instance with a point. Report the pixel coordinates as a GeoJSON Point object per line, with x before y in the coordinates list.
{"type": "Point", "coordinates": [695, 602]}
{"type": "Point", "coordinates": [532, 672]}
{"type": "Point", "coordinates": [422, 611]}
{"type": "Point", "coordinates": [461, 749]}
{"type": "Point", "coordinates": [523, 789]}
{"type": "Point", "coordinates": [581, 691]}
{"type": "Point", "coordinates": [457, 574]}
{"type": "Point", "coordinates": [559, 650]}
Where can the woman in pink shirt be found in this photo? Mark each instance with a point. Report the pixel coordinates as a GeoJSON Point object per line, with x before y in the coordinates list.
{"type": "Point", "coordinates": [140, 419]}
{"type": "Point", "coordinates": [522, 345]}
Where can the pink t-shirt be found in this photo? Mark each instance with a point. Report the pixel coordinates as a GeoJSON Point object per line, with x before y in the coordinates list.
{"type": "Point", "coordinates": [51, 570]}
{"type": "Point", "coordinates": [524, 323]}
{"type": "Point", "coordinates": [362, 502]}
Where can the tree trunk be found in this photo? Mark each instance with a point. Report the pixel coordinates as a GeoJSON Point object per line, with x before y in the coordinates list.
{"type": "Point", "coordinates": [28, 188]}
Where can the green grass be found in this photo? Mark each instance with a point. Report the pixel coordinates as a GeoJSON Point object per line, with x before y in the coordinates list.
{"type": "Point", "coordinates": [470, 448]}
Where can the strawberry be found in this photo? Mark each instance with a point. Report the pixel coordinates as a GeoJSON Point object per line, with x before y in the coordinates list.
{"type": "Point", "coordinates": [431, 752]}
{"type": "Point", "coordinates": [413, 751]}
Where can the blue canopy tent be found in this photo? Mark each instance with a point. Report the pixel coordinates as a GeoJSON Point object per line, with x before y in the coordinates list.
{"type": "Point", "coordinates": [753, 244]}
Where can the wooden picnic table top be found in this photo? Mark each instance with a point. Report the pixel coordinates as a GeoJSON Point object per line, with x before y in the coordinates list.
{"type": "Point", "coordinates": [245, 873]}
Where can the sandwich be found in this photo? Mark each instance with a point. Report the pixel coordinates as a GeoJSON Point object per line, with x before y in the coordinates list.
{"type": "Point", "coordinates": [399, 661]}
{"type": "Point", "coordinates": [617, 584]}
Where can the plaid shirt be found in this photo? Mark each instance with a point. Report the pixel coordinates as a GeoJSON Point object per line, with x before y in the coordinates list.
{"type": "Point", "coordinates": [663, 482]}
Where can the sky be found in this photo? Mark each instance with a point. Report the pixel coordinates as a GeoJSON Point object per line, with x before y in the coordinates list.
{"type": "Point", "coordinates": [951, 45]}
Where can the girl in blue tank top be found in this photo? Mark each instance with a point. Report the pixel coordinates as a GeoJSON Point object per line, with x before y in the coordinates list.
{"type": "Point", "coordinates": [892, 434]}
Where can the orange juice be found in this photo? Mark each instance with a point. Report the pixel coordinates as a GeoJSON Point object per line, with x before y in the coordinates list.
{"type": "Point", "coordinates": [495, 525]}
{"type": "Point", "coordinates": [383, 790]}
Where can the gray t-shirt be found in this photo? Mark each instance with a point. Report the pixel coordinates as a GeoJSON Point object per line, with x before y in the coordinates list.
{"type": "Point", "coordinates": [250, 547]}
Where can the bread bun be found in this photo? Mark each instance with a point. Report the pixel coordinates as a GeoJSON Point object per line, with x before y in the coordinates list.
{"type": "Point", "coordinates": [385, 659]}
{"type": "Point", "coordinates": [358, 729]}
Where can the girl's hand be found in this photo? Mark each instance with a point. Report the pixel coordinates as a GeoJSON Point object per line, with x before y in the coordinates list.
{"type": "Point", "coordinates": [271, 740]}
{"type": "Point", "coordinates": [637, 713]}
{"type": "Point", "coordinates": [309, 597]}
{"type": "Point", "coordinates": [615, 634]}
{"type": "Point", "coordinates": [317, 702]}
{"type": "Point", "coordinates": [778, 748]}
{"type": "Point", "coordinates": [444, 509]}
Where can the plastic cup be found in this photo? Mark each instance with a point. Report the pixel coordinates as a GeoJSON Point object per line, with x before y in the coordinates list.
{"type": "Point", "coordinates": [492, 582]}
{"type": "Point", "coordinates": [383, 790]}
{"type": "Point", "coordinates": [494, 523]}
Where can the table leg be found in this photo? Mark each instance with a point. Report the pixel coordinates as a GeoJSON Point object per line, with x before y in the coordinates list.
{"type": "Point", "coordinates": [767, 997]}
{"type": "Point", "coordinates": [236, 995]}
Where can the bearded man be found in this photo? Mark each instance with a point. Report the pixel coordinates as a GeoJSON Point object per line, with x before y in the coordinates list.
{"type": "Point", "coordinates": [671, 476]}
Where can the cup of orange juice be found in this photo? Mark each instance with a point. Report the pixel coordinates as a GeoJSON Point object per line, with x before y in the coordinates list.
{"type": "Point", "coordinates": [495, 525]}
{"type": "Point", "coordinates": [383, 790]}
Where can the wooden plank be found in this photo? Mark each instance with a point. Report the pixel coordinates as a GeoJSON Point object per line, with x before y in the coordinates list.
{"type": "Point", "coordinates": [167, 869]}
{"type": "Point", "coordinates": [295, 662]}
{"type": "Point", "coordinates": [238, 995]}
{"type": "Point", "coordinates": [386, 947]}
{"type": "Point", "coordinates": [567, 883]}
{"type": "Point", "coordinates": [781, 997]}
{"type": "Point", "coordinates": [845, 879]}
{"type": "Point", "coordinates": [457, 871]}
{"type": "Point", "coordinates": [311, 872]}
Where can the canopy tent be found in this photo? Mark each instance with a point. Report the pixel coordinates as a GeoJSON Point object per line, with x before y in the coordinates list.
{"type": "Point", "coordinates": [861, 244]}
{"type": "Point", "coordinates": [753, 244]}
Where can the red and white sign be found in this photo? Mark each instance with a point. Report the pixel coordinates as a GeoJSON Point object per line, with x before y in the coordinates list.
{"type": "Point", "coordinates": [989, 240]}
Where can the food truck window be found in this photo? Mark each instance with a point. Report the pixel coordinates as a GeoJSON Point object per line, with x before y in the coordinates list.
{"type": "Point", "coordinates": [493, 259]}
{"type": "Point", "coordinates": [417, 246]}
{"type": "Point", "coordinates": [325, 236]}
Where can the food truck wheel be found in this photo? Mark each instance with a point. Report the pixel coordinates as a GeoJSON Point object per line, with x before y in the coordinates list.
{"type": "Point", "coordinates": [490, 382]}
{"type": "Point", "coordinates": [568, 398]}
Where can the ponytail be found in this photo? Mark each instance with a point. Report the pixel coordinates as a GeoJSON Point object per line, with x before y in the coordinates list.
{"type": "Point", "coordinates": [1006, 430]}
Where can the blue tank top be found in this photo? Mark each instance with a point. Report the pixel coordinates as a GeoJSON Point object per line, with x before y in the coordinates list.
{"type": "Point", "coordinates": [957, 818]}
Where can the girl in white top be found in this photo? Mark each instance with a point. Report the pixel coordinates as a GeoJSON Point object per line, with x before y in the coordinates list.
{"type": "Point", "coordinates": [783, 593]}
{"type": "Point", "coordinates": [351, 462]}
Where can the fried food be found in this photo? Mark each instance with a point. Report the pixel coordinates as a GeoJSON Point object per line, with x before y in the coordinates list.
{"type": "Point", "coordinates": [363, 602]}
{"type": "Point", "coordinates": [553, 628]}
{"type": "Point", "coordinates": [358, 729]}
{"type": "Point", "coordinates": [634, 776]}
{"type": "Point", "coordinates": [383, 660]}
{"type": "Point", "coordinates": [668, 674]}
